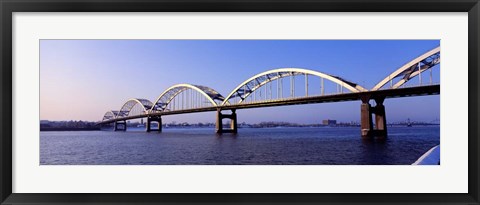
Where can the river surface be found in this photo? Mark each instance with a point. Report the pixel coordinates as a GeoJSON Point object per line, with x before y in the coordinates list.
{"type": "Point", "coordinates": [251, 146]}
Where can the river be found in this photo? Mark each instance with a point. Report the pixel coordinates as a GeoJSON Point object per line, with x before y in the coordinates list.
{"type": "Point", "coordinates": [250, 146]}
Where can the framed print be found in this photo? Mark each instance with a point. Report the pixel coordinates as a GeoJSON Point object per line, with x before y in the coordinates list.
{"type": "Point", "coordinates": [251, 102]}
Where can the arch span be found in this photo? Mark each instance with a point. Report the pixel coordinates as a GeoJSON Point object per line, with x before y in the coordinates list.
{"type": "Point", "coordinates": [125, 110]}
{"type": "Point", "coordinates": [411, 69]}
{"type": "Point", "coordinates": [250, 85]}
{"type": "Point", "coordinates": [110, 115]}
{"type": "Point", "coordinates": [167, 96]}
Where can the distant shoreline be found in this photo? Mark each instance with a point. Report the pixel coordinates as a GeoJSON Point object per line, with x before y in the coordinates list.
{"type": "Point", "coordinates": [186, 127]}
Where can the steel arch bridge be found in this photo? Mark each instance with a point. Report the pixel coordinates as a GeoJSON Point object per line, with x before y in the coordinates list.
{"type": "Point", "coordinates": [412, 69]}
{"type": "Point", "coordinates": [259, 91]}
{"type": "Point", "coordinates": [145, 105]}
{"type": "Point", "coordinates": [162, 102]}
{"type": "Point", "coordinates": [249, 86]}
{"type": "Point", "coordinates": [109, 115]}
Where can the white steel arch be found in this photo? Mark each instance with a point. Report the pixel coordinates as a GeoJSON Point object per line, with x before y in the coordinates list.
{"type": "Point", "coordinates": [125, 110]}
{"type": "Point", "coordinates": [411, 69]}
{"type": "Point", "coordinates": [167, 96]}
{"type": "Point", "coordinates": [271, 75]}
{"type": "Point", "coordinates": [110, 115]}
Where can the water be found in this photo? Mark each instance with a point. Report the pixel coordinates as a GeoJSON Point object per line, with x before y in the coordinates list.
{"type": "Point", "coordinates": [260, 146]}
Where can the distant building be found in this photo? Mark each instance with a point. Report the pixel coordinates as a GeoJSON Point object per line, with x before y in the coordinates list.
{"type": "Point", "coordinates": [329, 122]}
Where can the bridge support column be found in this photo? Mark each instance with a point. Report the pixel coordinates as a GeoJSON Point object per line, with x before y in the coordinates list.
{"type": "Point", "coordinates": [366, 124]}
{"type": "Point", "coordinates": [157, 119]}
{"type": "Point", "coordinates": [117, 123]}
{"type": "Point", "coordinates": [380, 118]}
{"type": "Point", "coordinates": [233, 122]}
{"type": "Point", "coordinates": [218, 124]}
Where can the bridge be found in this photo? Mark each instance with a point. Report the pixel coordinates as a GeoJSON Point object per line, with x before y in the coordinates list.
{"type": "Point", "coordinates": [267, 89]}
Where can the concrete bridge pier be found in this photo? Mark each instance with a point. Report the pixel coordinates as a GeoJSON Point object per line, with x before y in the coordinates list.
{"type": "Point", "coordinates": [219, 123]}
{"type": "Point", "coordinates": [380, 118]}
{"type": "Point", "coordinates": [157, 119]}
{"type": "Point", "coordinates": [117, 123]}
{"type": "Point", "coordinates": [366, 122]}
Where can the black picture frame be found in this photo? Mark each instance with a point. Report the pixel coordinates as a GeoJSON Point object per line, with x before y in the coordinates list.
{"type": "Point", "coordinates": [9, 6]}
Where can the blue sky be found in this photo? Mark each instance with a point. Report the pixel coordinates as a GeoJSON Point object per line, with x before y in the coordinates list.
{"type": "Point", "coordinates": [82, 79]}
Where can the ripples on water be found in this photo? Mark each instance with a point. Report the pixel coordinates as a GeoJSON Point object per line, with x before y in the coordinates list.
{"type": "Point", "coordinates": [261, 146]}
